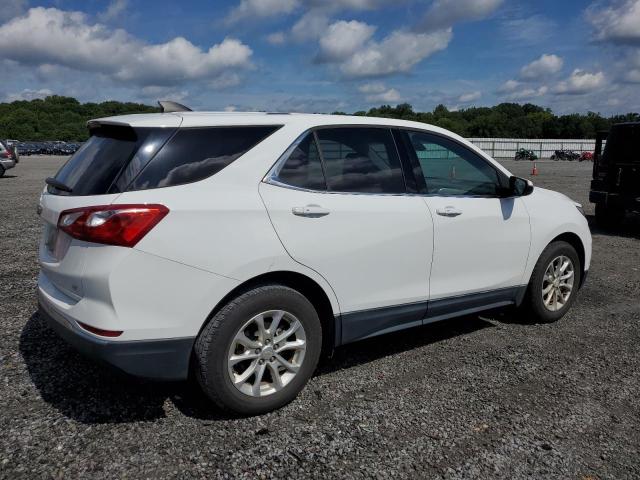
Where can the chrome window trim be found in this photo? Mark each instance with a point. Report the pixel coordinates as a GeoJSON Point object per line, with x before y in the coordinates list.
{"type": "Point", "coordinates": [271, 176]}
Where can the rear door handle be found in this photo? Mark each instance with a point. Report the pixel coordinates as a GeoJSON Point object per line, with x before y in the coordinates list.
{"type": "Point", "coordinates": [449, 211]}
{"type": "Point", "coordinates": [311, 211]}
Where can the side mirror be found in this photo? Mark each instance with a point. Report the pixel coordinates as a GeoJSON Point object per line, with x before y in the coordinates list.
{"type": "Point", "coordinates": [520, 187]}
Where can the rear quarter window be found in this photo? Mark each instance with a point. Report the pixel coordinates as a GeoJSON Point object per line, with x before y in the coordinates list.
{"type": "Point", "coordinates": [194, 154]}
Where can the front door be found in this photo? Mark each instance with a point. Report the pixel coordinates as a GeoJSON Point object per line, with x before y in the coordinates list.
{"type": "Point", "coordinates": [481, 240]}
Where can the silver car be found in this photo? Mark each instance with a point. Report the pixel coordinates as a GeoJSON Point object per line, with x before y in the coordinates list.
{"type": "Point", "coordinates": [8, 157]}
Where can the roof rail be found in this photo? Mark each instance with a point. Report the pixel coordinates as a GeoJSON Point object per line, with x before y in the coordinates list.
{"type": "Point", "coordinates": [168, 106]}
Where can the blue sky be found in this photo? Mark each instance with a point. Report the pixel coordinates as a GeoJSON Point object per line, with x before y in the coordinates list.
{"type": "Point", "coordinates": [326, 55]}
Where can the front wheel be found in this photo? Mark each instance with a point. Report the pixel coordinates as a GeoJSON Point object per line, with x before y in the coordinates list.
{"type": "Point", "coordinates": [554, 283]}
{"type": "Point", "coordinates": [258, 352]}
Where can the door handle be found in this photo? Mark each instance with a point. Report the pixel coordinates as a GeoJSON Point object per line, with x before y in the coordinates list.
{"type": "Point", "coordinates": [449, 211]}
{"type": "Point", "coordinates": [311, 211]}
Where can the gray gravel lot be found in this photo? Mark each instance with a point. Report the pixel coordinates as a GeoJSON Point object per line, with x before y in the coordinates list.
{"type": "Point", "coordinates": [469, 398]}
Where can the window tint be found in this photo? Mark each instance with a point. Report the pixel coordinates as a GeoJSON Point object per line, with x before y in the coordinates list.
{"type": "Point", "coordinates": [303, 167]}
{"type": "Point", "coordinates": [197, 153]}
{"type": "Point", "coordinates": [93, 169]}
{"type": "Point", "coordinates": [450, 169]}
{"type": "Point", "coordinates": [361, 160]}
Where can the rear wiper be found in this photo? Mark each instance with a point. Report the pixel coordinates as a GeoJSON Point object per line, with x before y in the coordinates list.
{"type": "Point", "coordinates": [58, 184]}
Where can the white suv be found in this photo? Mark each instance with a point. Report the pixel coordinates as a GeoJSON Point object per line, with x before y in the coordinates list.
{"type": "Point", "coordinates": [239, 246]}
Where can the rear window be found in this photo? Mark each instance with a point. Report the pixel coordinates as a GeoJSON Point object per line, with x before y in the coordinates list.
{"type": "Point", "coordinates": [117, 159]}
{"type": "Point", "coordinates": [99, 162]}
{"type": "Point", "coordinates": [197, 153]}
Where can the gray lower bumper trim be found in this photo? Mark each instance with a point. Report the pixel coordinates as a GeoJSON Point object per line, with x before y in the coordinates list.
{"type": "Point", "coordinates": [155, 359]}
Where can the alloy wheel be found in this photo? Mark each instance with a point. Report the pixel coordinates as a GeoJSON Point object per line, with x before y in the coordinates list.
{"type": "Point", "coordinates": [557, 283]}
{"type": "Point", "coordinates": [266, 353]}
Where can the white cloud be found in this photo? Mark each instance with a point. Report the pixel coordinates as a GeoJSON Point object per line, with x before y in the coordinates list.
{"type": "Point", "coordinates": [11, 8]}
{"type": "Point", "coordinates": [114, 10]}
{"type": "Point", "coordinates": [334, 5]}
{"type": "Point", "coordinates": [619, 22]}
{"type": "Point", "coordinates": [469, 97]}
{"type": "Point", "coordinates": [342, 39]}
{"type": "Point", "coordinates": [580, 82]}
{"type": "Point", "coordinates": [444, 13]}
{"type": "Point", "coordinates": [527, 29]}
{"type": "Point", "coordinates": [230, 108]}
{"type": "Point", "coordinates": [154, 93]}
{"type": "Point", "coordinates": [251, 9]}
{"type": "Point", "coordinates": [379, 93]}
{"type": "Point", "coordinates": [509, 86]}
{"type": "Point", "coordinates": [397, 53]}
{"type": "Point", "coordinates": [527, 93]}
{"type": "Point", "coordinates": [56, 37]}
{"type": "Point", "coordinates": [28, 94]}
{"type": "Point", "coordinates": [542, 67]}
{"type": "Point", "coordinates": [276, 38]}
{"type": "Point", "coordinates": [310, 26]}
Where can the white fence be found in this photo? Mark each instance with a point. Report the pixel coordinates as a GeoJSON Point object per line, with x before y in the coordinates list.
{"type": "Point", "coordinates": [507, 147]}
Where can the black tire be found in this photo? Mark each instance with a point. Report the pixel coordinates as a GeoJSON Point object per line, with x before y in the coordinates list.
{"type": "Point", "coordinates": [608, 217]}
{"type": "Point", "coordinates": [533, 306]}
{"type": "Point", "coordinates": [213, 343]}
{"type": "Point", "coordinates": [2, 170]}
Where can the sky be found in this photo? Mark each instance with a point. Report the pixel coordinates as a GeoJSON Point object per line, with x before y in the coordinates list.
{"type": "Point", "coordinates": [326, 55]}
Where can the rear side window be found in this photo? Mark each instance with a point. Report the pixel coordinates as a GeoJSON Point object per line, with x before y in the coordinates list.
{"type": "Point", "coordinates": [303, 168]}
{"type": "Point", "coordinates": [361, 160]}
{"type": "Point", "coordinates": [197, 153]}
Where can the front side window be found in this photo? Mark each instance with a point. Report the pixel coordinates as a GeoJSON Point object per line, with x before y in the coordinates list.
{"type": "Point", "coordinates": [450, 169]}
{"type": "Point", "coordinates": [303, 168]}
{"type": "Point", "coordinates": [361, 160]}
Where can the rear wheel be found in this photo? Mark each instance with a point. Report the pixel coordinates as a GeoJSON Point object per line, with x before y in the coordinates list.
{"type": "Point", "coordinates": [554, 283]}
{"type": "Point", "coordinates": [258, 352]}
{"type": "Point", "coordinates": [2, 170]}
{"type": "Point", "coordinates": [607, 216]}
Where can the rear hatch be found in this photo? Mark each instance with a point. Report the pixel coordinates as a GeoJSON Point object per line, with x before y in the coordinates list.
{"type": "Point", "coordinates": [95, 175]}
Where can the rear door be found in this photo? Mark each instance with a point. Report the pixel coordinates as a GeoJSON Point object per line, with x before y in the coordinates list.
{"type": "Point", "coordinates": [339, 205]}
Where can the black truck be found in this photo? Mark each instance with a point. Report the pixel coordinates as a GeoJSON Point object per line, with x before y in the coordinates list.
{"type": "Point", "coordinates": [615, 188]}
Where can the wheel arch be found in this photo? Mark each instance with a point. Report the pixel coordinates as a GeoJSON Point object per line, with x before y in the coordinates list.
{"type": "Point", "coordinates": [575, 241]}
{"type": "Point", "coordinates": [307, 286]}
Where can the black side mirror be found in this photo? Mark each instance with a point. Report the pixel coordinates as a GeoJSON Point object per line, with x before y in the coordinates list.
{"type": "Point", "coordinates": [520, 187]}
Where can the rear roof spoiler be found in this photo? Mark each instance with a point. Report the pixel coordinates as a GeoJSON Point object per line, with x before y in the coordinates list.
{"type": "Point", "coordinates": [168, 106]}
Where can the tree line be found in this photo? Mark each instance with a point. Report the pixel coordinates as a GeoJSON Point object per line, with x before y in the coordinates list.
{"type": "Point", "coordinates": [64, 118]}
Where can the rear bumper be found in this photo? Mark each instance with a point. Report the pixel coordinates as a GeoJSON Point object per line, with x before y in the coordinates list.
{"type": "Point", "coordinates": [8, 163]}
{"type": "Point", "coordinates": [166, 359]}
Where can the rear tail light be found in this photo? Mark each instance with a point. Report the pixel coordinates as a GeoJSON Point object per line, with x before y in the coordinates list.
{"type": "Point", "coordinates": [121, 225]}
{"type": "Point", "coordinates": [5, 154]}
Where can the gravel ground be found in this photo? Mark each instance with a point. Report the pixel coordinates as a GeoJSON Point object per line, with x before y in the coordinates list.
{"type": "Point", "coordinates": [469, 398]}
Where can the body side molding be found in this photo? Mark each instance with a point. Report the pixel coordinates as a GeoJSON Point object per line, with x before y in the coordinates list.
{"type": "Point", "coordinates": [363, 324]}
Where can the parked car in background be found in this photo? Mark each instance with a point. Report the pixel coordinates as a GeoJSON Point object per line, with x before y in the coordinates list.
{"type": "Point", "coordinates": [8, 157]}
{"type": "Point", "coordinates": [47, 148]}
{"type": "Point", "coordinates": [615, 188]}
{"type": "Point", "coordinates": [239, 245]}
